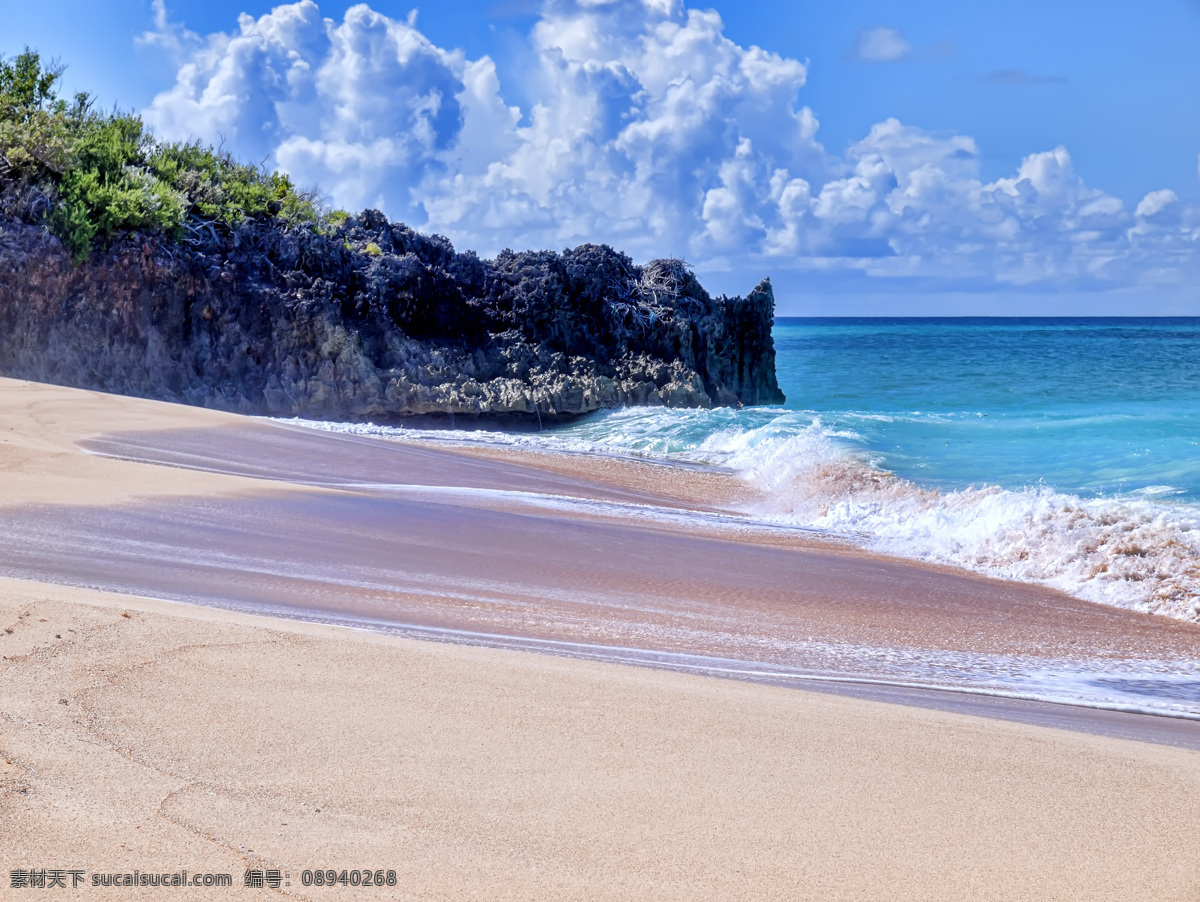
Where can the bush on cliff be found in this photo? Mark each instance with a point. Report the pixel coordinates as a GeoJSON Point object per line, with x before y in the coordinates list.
{"type": "Point", "coordinates": [108, 189]}
{"type": "Point", "coordinates": [90, 176]}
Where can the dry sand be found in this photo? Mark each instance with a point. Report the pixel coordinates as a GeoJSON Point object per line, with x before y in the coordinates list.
{"type": "Point", "coordinates": [137, 734]}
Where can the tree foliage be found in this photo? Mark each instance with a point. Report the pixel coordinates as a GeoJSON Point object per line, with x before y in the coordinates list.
{"type": "Point", "coordinates": [36, 127]}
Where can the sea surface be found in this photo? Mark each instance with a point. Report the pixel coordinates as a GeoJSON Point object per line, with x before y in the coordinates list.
{"type": "Point", "coordinates": [1064, 452]}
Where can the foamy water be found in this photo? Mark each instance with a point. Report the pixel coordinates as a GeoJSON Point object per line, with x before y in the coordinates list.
{"type": "Point", "coordinates": [1130, 552]}
{"type": "Point", "coordinates": [1138, 686]}
{"type": "Point", "coordinates": [1060, 452]}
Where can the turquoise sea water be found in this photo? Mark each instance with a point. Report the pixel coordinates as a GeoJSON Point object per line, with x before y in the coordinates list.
{"type": "Point", "coordinates": [1059, 451]}
{"type": "Point", "coordinates": [1089, 406]}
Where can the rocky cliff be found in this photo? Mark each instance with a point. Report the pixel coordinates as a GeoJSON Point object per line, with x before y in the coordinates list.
{"type": "Point", "coordinates": [371, 320]}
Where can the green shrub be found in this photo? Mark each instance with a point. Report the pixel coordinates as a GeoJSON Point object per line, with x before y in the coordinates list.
{"type": "Point", "coordinates": [35, 126]}
{"type": "Point", "coordinates": [109, 175]}
{"type": "Point", "coordinates": [373, 249]}
{"type": "Point", "coordinates": [109, 190]}
{"type": "Point", "coordinates": [217, 188]}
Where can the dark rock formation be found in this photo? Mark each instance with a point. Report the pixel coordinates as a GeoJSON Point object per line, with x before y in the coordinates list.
{"type": "Point", "coordinates": [373, 320]}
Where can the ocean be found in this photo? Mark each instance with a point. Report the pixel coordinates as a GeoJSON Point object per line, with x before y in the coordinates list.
{"type": "Point", "coordinates": [1064, 452]}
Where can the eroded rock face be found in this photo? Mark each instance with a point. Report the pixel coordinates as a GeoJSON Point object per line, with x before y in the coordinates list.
{"type": "Point", "coordinates": [376, 321]}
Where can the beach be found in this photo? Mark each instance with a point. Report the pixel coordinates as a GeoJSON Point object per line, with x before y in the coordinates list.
{"type": "Point", "coordinates": [249, 691]}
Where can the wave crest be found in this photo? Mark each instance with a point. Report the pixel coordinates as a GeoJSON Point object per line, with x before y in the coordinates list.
{"type": "Point", "coordinates": [1130, 553]}
{"type": "Point", "coordinates": [1134, 552]}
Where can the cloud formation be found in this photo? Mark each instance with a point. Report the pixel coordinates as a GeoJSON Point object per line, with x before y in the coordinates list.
{"type": "Point", "coordinates": [652, 130]}
{"type": "Point", "coordinates": [881, 45]}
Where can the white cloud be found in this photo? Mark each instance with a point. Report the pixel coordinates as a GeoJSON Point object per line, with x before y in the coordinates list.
{"type": "Point", "coordinates": [652, 130]}
{"type": "Point", "coordinates": [362, 107]}
{"type": "Point", "coordinates": [167, 35]}
{"type": "Point", "coordinates": [1156, 202]}
{"type": "Point", "coordinates": [881, 45]}
{"type": "Point", "coordinates": [644, 108]}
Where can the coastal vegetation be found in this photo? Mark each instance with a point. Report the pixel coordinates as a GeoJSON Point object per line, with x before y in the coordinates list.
{"type": "Point", "coordinates": [89, 175]}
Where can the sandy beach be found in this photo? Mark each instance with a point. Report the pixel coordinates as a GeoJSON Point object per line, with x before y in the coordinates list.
{"type": "Point", "coordinates": [143, 733]}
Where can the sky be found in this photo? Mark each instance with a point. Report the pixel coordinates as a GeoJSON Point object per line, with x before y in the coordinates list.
{"type": "Point", "coordinates": [871, 157]}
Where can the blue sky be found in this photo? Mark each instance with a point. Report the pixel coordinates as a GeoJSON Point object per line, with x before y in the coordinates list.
{"type": "Point", "coordinates": [872, 157]}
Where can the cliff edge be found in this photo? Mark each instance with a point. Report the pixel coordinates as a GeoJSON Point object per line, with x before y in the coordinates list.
{"type": "Point", "coordinates": [368, 319]}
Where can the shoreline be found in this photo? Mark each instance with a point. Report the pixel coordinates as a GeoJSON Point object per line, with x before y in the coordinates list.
{"type": "Point", "coordinates": [588, 555]}
{"type": "Point", "coordinates": [1134, 551]}
{"type": "Point", "coordinates": [1120, 720]}
{"type": "Point", "coordinates": [1154, 727]}
{"type": "Point", "coordinates": [144, 734]}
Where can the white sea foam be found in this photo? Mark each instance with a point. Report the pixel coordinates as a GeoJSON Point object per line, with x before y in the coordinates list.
{"type": "Point", "coordinates": [1129, 552]}
{"type": "Point", "coordinates": [1138, 551]}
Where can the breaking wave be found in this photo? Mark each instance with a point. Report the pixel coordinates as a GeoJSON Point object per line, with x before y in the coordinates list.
{"type": "Point", "coordinates": [1125, 551]}
{"type": "Point", "coordinates": [1132, 550]}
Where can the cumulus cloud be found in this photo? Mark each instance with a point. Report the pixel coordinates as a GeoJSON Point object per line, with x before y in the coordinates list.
{"type": "Point", "coordinates": [881, 45]}
{"type": "Point", "coordinates": [645, 111]}
{"type": "Point", "coordinates": [650, 129]}
{"type": "Point", "coordinates": [361, 107]}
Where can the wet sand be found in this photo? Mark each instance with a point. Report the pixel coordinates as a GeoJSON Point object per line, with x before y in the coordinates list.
{"type": "Point", "coordinates": [537, 552]}
{"type": "Point", "coordinates": [208, 737]}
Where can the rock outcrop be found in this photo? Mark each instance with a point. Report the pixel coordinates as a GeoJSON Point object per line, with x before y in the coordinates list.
{"type": "Point", "coordinates": [372, 320]}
